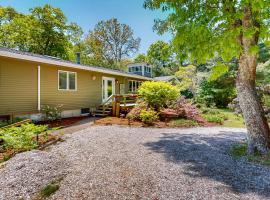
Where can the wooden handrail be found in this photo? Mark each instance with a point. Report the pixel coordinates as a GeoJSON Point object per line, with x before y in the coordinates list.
{"type": "Point", "coordinates": [119, 99]}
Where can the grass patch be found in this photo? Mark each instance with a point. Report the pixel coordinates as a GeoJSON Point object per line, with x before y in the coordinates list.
{"type": "Point", "coordinates": [49, 190]}
{"type": "Point", "coordinates": [240, 151]}
{"type": "Point", "coordinates": [214, 115]}
{"type": "Point", "coordinates": [183, 123]}
{"type": "Point", "coordinates": [233, 119]}
{"type": "Point", "coordinates": [224, 117]}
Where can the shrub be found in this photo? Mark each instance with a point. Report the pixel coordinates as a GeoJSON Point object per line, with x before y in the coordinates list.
{"type": "Point", "coordinates": [183, 123]}
{"type": "Point", "coordinates": [213, 115]}
{"type": "Point", "coordinates": [21, 138]}
{"type": "Point", "coordinates": [216, 93]}
{"type": "Point", "coordinates": [135, 112]}
{"type": "Point", "coordinates": [52, 112]}
{"type": "Point", "coordinates": [214, 118]}
{"type": "Point", "coordinates": [8, 122]}
{"type": "Point", "coordinates": [148, 116]}
{"type": "Point", "coordinates": [158, 94]}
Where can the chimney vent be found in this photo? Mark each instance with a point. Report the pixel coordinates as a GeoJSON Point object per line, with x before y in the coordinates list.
{"type": "Point", "coordinates": [78, 58]}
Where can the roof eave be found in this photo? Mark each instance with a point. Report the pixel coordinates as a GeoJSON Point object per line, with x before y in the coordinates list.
{"type": "Point", "coordinates": [65, 64]}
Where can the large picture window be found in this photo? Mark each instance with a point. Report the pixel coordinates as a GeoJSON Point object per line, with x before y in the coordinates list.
{"type": "Point", "coordinates": [134, 85]}
{"type": "Point", "coordinates": [67, 80]}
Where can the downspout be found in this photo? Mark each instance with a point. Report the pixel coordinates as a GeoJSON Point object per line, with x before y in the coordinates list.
{"type": "Point", "coordinates": [39, 89]}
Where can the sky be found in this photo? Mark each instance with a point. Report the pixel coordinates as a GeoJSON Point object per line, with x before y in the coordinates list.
{"type": "Point", "coordinates": [86, 13]}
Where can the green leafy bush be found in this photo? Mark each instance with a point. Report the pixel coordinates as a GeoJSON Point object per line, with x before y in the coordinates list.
{"type": "Point", "coordinates": [135, 112]}
{"type": "Point", "coordinates": [21, 138]}
{"type": "Point", "coordinates": [213, 115]}
{"type": "Point", "coordinates": [216, 93]}
{"type": "Point", "coordinates": [183, 123]}
{"type": "Point", "coordinates": [52, 113]}
{"type": "Point", "coordinates": [148, 116]}
{"type": "Point", "coordinates": [158, 94]}
{"type": "Point", "coordinates": [214, 118]}
{"type": "Point", "coordinates": [6, 123]}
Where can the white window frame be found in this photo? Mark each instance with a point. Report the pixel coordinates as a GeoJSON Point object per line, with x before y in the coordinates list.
{"type": "Point", "coordinates": [68, 72]}
{"type": "Point", "coordinates": [133, 85]}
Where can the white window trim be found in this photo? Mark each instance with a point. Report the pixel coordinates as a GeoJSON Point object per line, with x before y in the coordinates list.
{"type": "Point", "coordinates": [133, 87]}
{"type": "Point", "coordinates": [68, 72]}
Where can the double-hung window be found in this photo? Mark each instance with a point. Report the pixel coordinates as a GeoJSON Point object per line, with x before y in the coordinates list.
{"type": "Point", "coordinates": [134, 85]}
{"type": "Point", "coordinates": [67, 80]}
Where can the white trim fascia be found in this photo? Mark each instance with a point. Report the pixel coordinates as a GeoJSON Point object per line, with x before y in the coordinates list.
{"type": "Point", "coordinates": [66, 64]}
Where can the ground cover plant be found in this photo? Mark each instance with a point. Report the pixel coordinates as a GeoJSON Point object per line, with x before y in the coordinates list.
{"type": "Point", "coordinates": [23, 138]}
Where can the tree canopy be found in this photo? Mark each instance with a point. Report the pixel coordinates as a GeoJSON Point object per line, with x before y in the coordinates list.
{"type": "Point", "coordinates": [230, 29]}
{"type": "Point", "coordinates": [204, 28]}
{"type": "Point", "coordinates": [44, 31]}
{"type": "Point", "coordinates": [111, 41]}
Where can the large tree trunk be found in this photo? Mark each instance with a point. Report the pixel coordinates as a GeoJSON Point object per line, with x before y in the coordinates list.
{"type": "Point", "coordinates": [256, 122]}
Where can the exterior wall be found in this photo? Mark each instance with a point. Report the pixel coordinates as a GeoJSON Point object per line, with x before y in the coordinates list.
{"type": "Point", "coordinates": [18, 87]}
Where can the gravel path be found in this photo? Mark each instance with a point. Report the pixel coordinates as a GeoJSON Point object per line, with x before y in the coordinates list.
{"type": "Point", "coordinates": [114, 162]}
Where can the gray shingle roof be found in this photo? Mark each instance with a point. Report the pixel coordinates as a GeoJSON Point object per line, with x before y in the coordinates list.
{"type": "Point", "coordinates": [58, 60]}
{"type": "Point", "coordinates": [164, 78]}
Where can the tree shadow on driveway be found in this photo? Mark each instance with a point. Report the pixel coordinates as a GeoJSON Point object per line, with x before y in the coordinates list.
{"type": "Point", "coordinates": [209, 157]}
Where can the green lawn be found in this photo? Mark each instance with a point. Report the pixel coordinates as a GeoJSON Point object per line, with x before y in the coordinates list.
{"type": "Point", "coordinates": [232, 119]}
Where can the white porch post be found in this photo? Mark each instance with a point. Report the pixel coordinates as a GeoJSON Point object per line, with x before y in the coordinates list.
{"type": "Point", "coordinates": [38, 89]}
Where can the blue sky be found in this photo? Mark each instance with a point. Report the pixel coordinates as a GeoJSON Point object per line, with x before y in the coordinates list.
{"type": "Point", "coordinates": [87, 13]}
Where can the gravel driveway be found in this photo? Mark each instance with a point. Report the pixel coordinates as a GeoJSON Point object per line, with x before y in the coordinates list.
{"type": "Point", "coordinates": [114, 162]}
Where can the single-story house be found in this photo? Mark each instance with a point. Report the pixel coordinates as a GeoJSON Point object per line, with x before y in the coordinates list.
{"type": "Point", "coordinates": [29, 81]}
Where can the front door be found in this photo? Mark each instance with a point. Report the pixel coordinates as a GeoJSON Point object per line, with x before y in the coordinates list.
{"type": "Point", "coordinates": [108, 88]}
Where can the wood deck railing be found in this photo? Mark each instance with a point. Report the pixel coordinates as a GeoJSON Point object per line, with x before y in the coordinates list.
{"type": "Point", "coordinates": [119, 102]}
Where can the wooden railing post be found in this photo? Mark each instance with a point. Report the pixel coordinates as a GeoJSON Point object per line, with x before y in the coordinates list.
{"type": "Point", "coordinates": [117, 109]}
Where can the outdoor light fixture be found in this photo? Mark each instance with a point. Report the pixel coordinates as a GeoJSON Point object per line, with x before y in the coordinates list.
{"type": "Point", "coordinates": [94, 78]}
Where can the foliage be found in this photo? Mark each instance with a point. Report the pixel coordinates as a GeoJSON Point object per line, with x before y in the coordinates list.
{"type": "Point", "coordinates": [52, 113]}
{"type": "Point", "coordinates": [187, 77]}
{"type": "Point", "coordinates": [21, 138]}
{"type": "Point", "coordinates": [44, 31]}
{"type": "Point", "coordinates": [217, 71]}
{"type": "Point", "coordinates": [158, 94]}
{"type": "Point", "coordinates": [213, 115]}
{"type": "Point", "coordinates": [216, 26]}
{"type": "Point", "coordinates": [140, 58]}
{"type": "Point", "coordinates": [6, 123]}
{"type": "Point", "coordinates": [135, 112]}
{"type": "Point", "coordinates": [232, 119]}
{"type": "Point", "coordinates": [49, 189]}
{"type": "Point", "coordinates": [214, 118]}
{"type": "Point", "coordinates": [148, 116]}
{"type": "Point", "coordinates": [160, 55]}
{"type": "Point", "coordinates": [266, 100]}
{"type": "Point", "coordinates": [218, 93]}
{"type": "Point", "coordinates": [239, 150]}
{"type": "Point", "coordinates": [111, 41]}
{"type": "Point", "coordinates": [183, 123]}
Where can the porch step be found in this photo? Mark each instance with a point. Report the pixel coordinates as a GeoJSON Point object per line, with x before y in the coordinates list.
{"type": "Point", "coordinates": [101, 111]}
{"type": "Point", "coordinates": [101, 115]}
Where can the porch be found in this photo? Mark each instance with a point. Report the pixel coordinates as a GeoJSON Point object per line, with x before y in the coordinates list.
{"type": "Point", "coordinates": [117, 104]}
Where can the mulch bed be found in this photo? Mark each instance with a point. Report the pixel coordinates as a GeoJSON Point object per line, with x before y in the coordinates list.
{"type": "Point", "coordinates": [125, 122]}
{"type": "Point", "coordinates": [62, 122]}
